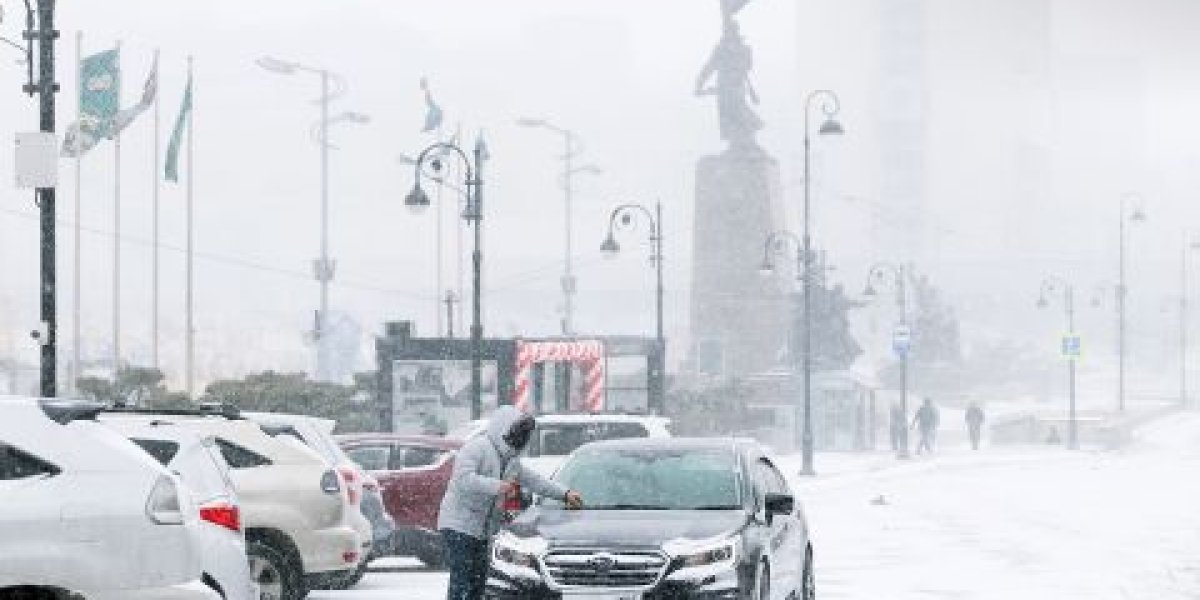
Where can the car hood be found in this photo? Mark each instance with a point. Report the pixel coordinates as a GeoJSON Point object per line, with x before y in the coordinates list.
{"type": "Point", "coordinates": [627, 528]}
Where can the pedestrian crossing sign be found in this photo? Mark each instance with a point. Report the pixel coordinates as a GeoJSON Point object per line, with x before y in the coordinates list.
{"type": "Point", "coordinates": [1072, 346]}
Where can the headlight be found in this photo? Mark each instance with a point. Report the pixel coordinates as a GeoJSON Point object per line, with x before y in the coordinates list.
{"type": "Point", "coordinates": [724, 553]}
{"type": "Point", "coordinates": [513, 556]}
{"type": "Point", "coordinates": [520, 552]}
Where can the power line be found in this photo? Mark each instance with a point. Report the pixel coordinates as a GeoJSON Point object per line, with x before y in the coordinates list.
{"type": "Point", "coordinates": [213, 257]}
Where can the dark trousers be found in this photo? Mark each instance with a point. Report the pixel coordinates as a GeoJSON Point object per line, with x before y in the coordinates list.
{"type": "Point", "coordinates": [926, 443]}
{"type": "Point", "coordinates": [467, 559]}
{"type": "Point", "coordinates": [974, 431]}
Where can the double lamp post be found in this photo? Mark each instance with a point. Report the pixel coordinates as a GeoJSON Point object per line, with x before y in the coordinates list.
{"type": "Point", "coordinates": [417, 200]}
{"type": "Point", "coordinates": [830, 105]}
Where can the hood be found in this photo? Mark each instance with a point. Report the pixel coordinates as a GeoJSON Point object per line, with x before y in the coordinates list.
{"type": "Point", "coordinates": [624, 528]}
{"type": "Point", "coordinates": [502, 420]}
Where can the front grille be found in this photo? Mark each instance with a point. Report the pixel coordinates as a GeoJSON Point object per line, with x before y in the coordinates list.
{"type": "Point", "coordinates": [595, 568]}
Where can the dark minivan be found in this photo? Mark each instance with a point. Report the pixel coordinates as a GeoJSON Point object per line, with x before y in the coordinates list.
{"type": "Point", "coordinates": [706, 519]}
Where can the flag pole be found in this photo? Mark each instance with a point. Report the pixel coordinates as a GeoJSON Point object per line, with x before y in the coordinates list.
{"type": "Point", "coordinates": [157, 184]}
{"type": "Point", "coordinates": [116, 291]}
{"type": "Point", "coordinates": [191, 339]}
{"type": "Point", "coordinates": [75, 293]}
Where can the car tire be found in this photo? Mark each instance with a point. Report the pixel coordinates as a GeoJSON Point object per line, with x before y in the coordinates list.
{"type": "Point", "coordinates": [808, 579]}
{"type": "Point", "coordinates": [431, 553]}
{"type": "Point", "coordinates": [278, 578]}
{"type": "Point", "coordinates": [341, 580]}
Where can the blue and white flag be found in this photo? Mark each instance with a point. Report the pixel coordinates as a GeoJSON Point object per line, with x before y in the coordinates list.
{"type": "Point", "coordinates": [433, 112]}
{"type": "Point", "coordinates": [99, 94]}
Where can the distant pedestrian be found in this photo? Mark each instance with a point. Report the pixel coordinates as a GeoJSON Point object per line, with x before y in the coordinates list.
{"type": "Point", "coordinates": [926, 421]}
{"type": "Point", "coordinates": [974, 424]}
{"type": "Point", "coordinates": [896, 425]}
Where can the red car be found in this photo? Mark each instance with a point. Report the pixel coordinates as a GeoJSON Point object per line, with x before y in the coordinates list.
{"type": "Point", "coordinates": [413, 472]}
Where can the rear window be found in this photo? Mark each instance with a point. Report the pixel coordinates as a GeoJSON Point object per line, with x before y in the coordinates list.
{"type": "Point", "coordinates": [162, 450]}
{"type": "Point", "coordinates": [421, 456]}
{"type": "Point", "coordinates": [239, 457]}
{"type": "Point", "coordinates": [561, 439]}
{"type": "Point", "coordinates": [16, 464]}
{"type": "Point", "coordinates": [371, 458]}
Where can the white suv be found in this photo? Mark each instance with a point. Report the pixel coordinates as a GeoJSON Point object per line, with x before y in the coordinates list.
{"type": "Point", "coordinates": [205, 474]}
{"type": "Point", "coordinates": [293, 504]}
{"type": "Point", "coordinates": [317, 434]}
{"type": "Point", "coordinates": [89, 514]}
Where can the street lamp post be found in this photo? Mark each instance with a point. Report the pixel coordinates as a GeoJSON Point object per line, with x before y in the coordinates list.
{"type": "Point", "coordinates": [323, 267]}
{"type": "Point", "coordinates": [572, 148]}
{"type": "Point", "coordinates": [418, 201]}
{"type": "Point", "coordinates": [830, 105]}
{"type": "Point", "coordinates": [1050, 286]}
{"type": "Point", "coordinates": [879, 272]}
{"type": "Point", "coordinates": [625, 216]}
{"type": "Point", "coordinates": [1134, 215]}
{"type": "Point", "coordinates": [777, 243]}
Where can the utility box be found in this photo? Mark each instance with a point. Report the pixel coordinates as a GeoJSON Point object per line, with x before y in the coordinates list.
{"type": "Point", "coordinates": [37, 160]}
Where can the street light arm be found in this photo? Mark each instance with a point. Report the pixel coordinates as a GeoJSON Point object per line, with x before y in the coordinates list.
{"type": "Point", "coordinates": [830, 105]}
{"type": "Point", "coordinates": [624, 210]}
{"type": "Point", "coordinates": [442, 146]}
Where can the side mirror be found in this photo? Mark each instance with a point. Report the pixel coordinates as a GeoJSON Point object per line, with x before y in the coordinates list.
{"type": "Point", "coordinates": [779, 504]}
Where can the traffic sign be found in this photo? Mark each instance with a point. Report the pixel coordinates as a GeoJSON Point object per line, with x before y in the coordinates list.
{"type": "Point", "coordinates": [1072, 346]}
{"type": "Point", "coordinates": [901, 340]}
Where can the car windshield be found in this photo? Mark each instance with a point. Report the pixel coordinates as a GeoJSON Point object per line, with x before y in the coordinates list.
{"type": "Point", "coordinates": [654, 479]}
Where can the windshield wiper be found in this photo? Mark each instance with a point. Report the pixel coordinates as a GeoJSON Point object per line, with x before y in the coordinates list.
{"type": "Point", "coordinates": [715, 507]}
{"type": "Point", "coordinates": [627, 507]}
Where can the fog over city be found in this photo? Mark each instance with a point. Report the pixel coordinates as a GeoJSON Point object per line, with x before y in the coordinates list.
{"type": "Point", "coordinates": [1036, 116]}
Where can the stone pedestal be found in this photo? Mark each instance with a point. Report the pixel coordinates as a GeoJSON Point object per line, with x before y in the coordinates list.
{"type": "Point", "coordinates": [739, 318]}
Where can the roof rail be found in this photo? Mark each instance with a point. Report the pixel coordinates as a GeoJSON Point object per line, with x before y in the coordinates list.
{"type": "Point", "coordinates": [207, 409]}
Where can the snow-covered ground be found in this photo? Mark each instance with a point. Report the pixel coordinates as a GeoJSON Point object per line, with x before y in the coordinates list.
{"type": "Point", "coordinates": [1028, 523]}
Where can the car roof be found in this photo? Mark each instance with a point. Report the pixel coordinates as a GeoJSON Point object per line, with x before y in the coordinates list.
{"type": "Point", "coordinates": [685, 443]}
{"type": "Point", "coordinates": [444, 443]}
{"type": "Point", "coordinates": [600, 417]}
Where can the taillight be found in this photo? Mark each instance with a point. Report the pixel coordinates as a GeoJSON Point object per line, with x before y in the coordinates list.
{"type": "Point", "coordinates": [329, 483]}
{"type": "Point", "coordinates": [352, 491]}
{"type": "Point", "coordinates": [222, 514]}
{"type": "Point", "coordinates": [163, 504]}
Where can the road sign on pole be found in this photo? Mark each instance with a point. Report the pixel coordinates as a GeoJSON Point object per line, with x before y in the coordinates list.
{"type": "Point", "coordinates": [901, 340]}
{"type": "Point", "coordinates": [1071, 347]}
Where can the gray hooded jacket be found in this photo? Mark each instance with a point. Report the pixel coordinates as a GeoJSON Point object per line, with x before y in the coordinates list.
{"type": "Point", "coordinates": [472, 504]}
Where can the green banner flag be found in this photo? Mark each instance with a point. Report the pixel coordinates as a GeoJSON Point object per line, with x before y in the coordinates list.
{"type": "Point", "coordinates": [99, 95]}
{"type": "Point", "coordinates": [177, 135]}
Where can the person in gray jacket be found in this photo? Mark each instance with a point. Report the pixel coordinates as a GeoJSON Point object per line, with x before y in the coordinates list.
{"type": "Point", "coordinates": [486, 471]}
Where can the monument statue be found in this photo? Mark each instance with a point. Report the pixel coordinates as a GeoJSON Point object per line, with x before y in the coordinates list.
{"type": "Point", "coordinates": [730, 64]}
{"type": "Point", "coordinates": [739, 319]}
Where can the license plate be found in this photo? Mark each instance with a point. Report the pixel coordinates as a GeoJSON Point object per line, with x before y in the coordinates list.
{"type": "Point", "coordinates": [604, 596]}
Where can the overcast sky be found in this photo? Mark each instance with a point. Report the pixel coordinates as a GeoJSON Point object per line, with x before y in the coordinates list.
{"type": "Point", "coordinates": [1093, 97]}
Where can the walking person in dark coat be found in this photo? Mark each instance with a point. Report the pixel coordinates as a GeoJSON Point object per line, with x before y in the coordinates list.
{"type": "Point", "coordinates": [926, 421]}
{"type": "Point", "coordinates": [974, 418]}
{"type": "Point", "coordinates": [486, 471]}
{"type": "Point", "coordinates": [896, 424]}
